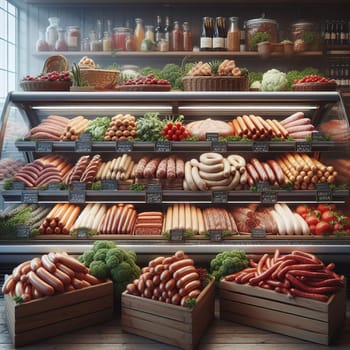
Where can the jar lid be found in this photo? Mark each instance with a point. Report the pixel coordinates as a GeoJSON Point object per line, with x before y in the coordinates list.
{"type": "Point", "coordinates": [121, 29]}
{"type": "Point", "coordinates": [303, 24]}
{"type": "Point", "coordinates": [261, 20]}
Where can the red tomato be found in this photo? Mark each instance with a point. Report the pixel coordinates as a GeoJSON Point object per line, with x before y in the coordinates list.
{"type": "Point", "coordinates": [312, 229]}
{"type": "Point", "coordinates": [338, 227]}
{"type": "Point", "coordinates": [302, 209]}
{"type": "Point", "coordinates": [323, 228]}
{"type": "Point", "coordinates": [328, 216]}
{"type": "Point", "coordinates": [324, 207]}
{"type": "Point", "coordinates": [312, 220]}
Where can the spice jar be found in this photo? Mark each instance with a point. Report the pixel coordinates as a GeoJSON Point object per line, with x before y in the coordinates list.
{"type": "Point", "coordinates": [73, 38]}
{"type": "Point", "coordinates": [187, 35]}
{"type": "Point", "coordinates": [107, 42]}
{"type": "Point", "coordinates": [94, 43]}
{"type": "Point", "coordinates": [262, 25]}
{"type": "Point", "coordinates": [177, 37]}
{"type": "Point", "coordinates": [149, 32]}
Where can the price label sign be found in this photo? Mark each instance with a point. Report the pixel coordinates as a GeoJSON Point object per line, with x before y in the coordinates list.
{"type": "Point", "coordinates": [82, 233]}
{"type": "Point", "coordinates": [215, 235]}
{"type": "Point", "coordinates": [258, 232]}
{"type": "Point", "coordinates": [77, 192]}
{"type": "Point", "coordinates": [44, 146]}
{"type": "Point", "coordinates": [219, 146]}
{"type": "Point", "coordinates": [262, 186]}
{"type": "Point", "coordinates": [109, 184]}
{"type": "Point", "coordinates": [54, 186]}
{"type": "Point", "coordinates": [219, 197]}
{"type": "Point", "coordinates": [23, 231]}
{"type": "Point", "coordinates": [260, 147]}
{"type": "Point", "coordinates": [268, 197]}
{"type": "Point", "coordinates": [318, 136]}
{"type": "Point", "coordinates": [212, 136]}
{"type": "Point", "coordinates": [177, 235]}
{"type": "Point", "coordinates": [303, 147]}
{"type": "Point", "coordinates": [85, 137]}
{"type": "Point", "coordinates": [124, 146]}
{"type": "Point", "coordinates": [18, 185]}
{"type": "Point", "coordinates": [83, 146]}
{"type": "Point", "coordinates": [154, 193]}
{"type": "Point", "coordinates": [323, 192]}
{"type": "Point", "coordinates": [162, 146]}
{"type": "Point", "coordinates": [30, 197]}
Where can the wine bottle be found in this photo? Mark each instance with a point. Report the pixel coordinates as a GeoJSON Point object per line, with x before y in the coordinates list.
{"type": "Point", "coordinates": [206, 40]}
{"type": "Point", "coordinates": [220, 33]}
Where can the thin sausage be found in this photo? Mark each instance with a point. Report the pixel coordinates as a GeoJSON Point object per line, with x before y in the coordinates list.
{"type": "Point", "coordinates": [41, 286]}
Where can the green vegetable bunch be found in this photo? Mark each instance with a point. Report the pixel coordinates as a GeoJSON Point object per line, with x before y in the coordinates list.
{"type": "Point", "coordinates": [258, 37]}
{"type": "Point", "coordinates": [173, 73]}
{"type": "Point", "coordinates": [11, 219]}
{"type": "Point", "coordinates": [106, 260]}
{"type": "Point", "coordinates": [149, 127]}
{"type": "Point", "coordinates": [98, 127]}
{"type": "Point", "coordinates": [228, 262]}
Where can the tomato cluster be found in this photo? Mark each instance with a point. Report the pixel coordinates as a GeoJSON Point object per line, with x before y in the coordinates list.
{"type": "Point", "coordinates": [313, 78]}
{"type": "Point", "coordinates": [150, 79]}
{"type": "Point", "coordinates": [174, 131]}
{"type": "Point", "coordinates": [50, 76]}
{"type": "Point", "coordinates": [324, 219]}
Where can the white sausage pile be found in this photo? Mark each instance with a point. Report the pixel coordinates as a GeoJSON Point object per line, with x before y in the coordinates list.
{"type": "Point", "coordinates": [172, 280]}
{"type": "Point", "coordinates": [215, 172]}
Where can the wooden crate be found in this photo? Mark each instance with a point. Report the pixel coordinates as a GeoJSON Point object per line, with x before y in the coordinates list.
{"type": "Point", "coordinates": [298, 317]}
{"type": "Point", "coordinates": [42, 318]}
{"type": "Point", "coordinates": [171, 324]}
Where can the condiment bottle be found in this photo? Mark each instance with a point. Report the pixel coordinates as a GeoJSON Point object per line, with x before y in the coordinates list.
{"type": "Point", "coordinates": [61, 44]}
{"type": "Point", "coordinates": [177, 37]}
{"type": "Point", "coordinates": [149, 33]}
{"type": "Point", "coordinates": [73, 38]}
{"type": "Point", "coordinates": [167, 30]}
{"type": "Point", "coordinates": [219, 34]}
{"type": "Point", "coordinates": [206, 40]}
{"type": "Point", "coordinates": [139, 34]}
{"type": "Point", "coordinates": [233, 35]}
{"type": "Point", "coordinates": [158, 31]}
{"type": "Point", "coordinates": [107, 42]}
{"type": "Point", "coordinates": [41, 44]}
{"type": "Point", "coordinates": [94, 44]}
{"type": "Point", "coordinates": [52, 32]}
{"type": "Point", "coordinates": [187, 35]}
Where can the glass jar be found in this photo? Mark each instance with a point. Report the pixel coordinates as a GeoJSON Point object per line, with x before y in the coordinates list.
{"type": "Point", "coordinates": [149, 32]}
{"type": "Point", "coordinates": [85, 44]}
{"type": "Point", "coordinates": [163, 45]}
{"type": "Point", "coordinates": [139, 34]}
{"type": "Point", "coordinates": [308, 32]}
{"type": "Point", "coordinates": [187, 35]}
{"type": "Point", "coordinates": [120, 38]}
{"type": "Point", "coordinates": [52, 32]}
{"type": "Point", "coordinates": [61, 44]}
{"type": "Point", "coordinates": [260, 25]}
{"type": "Point", "coordinates": [94, 43]}
{"type": "Point", "coordinates": [107, 42]}
{"type": "Point", "coordinates": [41, 44]}
{"type": "Point", "coordinates": [177, 37]}
{"type": "Point", "coordinates": [233, 35]}
{"type": "Point", "coordinates": [73, 38]}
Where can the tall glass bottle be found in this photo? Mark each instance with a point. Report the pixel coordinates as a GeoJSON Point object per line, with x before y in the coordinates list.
{"type": "Point", "coordinates": [158, 31]}
{"type": "Point", "coordinates": [139, 34]}
{"type": "Point", "coordinates": [187, 36]}
{"type": "Point", "coordinates": [41, 44]}
{"type": "Point", "coordinates": [52, 32]}
{"type": "Point", "coordinates": [206, 39]}
{"type": "Point", "coordinates": [177, 37]}
{"type": "Point", "coordinates": [219, 37]}
{"type": "Point", "coordinates": [166, 32]}
{"type": "Point", "coordinates": [233, 35]}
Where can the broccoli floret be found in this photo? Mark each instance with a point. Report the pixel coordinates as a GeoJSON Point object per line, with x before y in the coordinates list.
{"type": "Point", "coordinates": [114, 257]}
{"type": "Point", "coordinates": [88, 257]}
{"type": "Point", "coordinates": [173, 73]}
{"type": "Point", "coordinates": [132, 254]}
{"type": "Point", "coordinates": [99, 269]}
{"type": "Point", "coordinates": [103, 244]}
{"type": "Point", "coordinates": [101, 254]}
{"type": "Point", "coordinates": [122, 272]}
{"type": "Point", "coordinates": [228, 262]}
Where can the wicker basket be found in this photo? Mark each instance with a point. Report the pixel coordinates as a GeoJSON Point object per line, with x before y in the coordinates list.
{"type": "Point", "coordinates": [215, 83]}
{"type": "Point", "coordinates": [326, 86]}
{"type": "Point", "coordinates": [58, 63]}
{"type": "Point", "coordinates": [144, 87]}
{"type": "Point", "coordinates": [45, 85]}
{"type": "Point", "coordinates": [100, 78]}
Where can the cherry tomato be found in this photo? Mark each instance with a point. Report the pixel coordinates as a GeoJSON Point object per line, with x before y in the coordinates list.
{"type": "Point", "coordinates": [328, 216]}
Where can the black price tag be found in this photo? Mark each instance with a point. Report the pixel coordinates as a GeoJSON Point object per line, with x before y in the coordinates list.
{"type": "Point", "coordinates": [219, 197]}
{"type": "Point", "coordinates": [54, 186]}
{"type": "Point", "coordinates": [77, 192]}
{"type": "Point", "coordinates": [30, 197]}
{"type": "Point", "coordinates": [23, 231]}
{"type": "Point", "coordinates": [324, 196]}
{"type": "Point", "coordinates": [268, 197]}
{"type": "Point", "coordinates": [124, 146]}
{"type": "Point", "coordinates": [18, 185]}
{"type": "Point", "coordinates": [109, 184]}
{"type": "Point", "coordinates": [83, 146]}
{"type": "Point", "coordinates": [177, 235]}
{"type": "Point", "coordinates": [258, 232]}
{"type": "Point", "coordinates": [82, 233]}
{"type": "Point", "coordinates": [85, 137]}
{"type": "Point", "coordinates": [262, 186]}
{"type": "Point", "coordinates": [318, 136]}
{"type": "Point", "coordinates": [153, 197]}
{"type": "Point", "coordinates": [215, 235]}
{"type": "Point", "coordinates": [219, 146]}
{"type": "Point", "coordinates": [162, 146]}
{"type": "Point", "coordinates": [212, 136]}
{"type": "Point", "coordinates": [303, 147]}
{"type": "Point", "coordinates": [260, 147]}
{"type": "Point", "coordinates": [323, 186]}
{"type": "Point", "coordinates": [44, 146]}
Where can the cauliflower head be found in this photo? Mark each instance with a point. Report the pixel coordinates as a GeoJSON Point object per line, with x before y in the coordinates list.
{"type": "Point", "coordinates": [274, 80]}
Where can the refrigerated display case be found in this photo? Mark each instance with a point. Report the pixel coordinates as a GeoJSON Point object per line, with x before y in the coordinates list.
{"type": "Point", "coordinates": [25, 110]}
